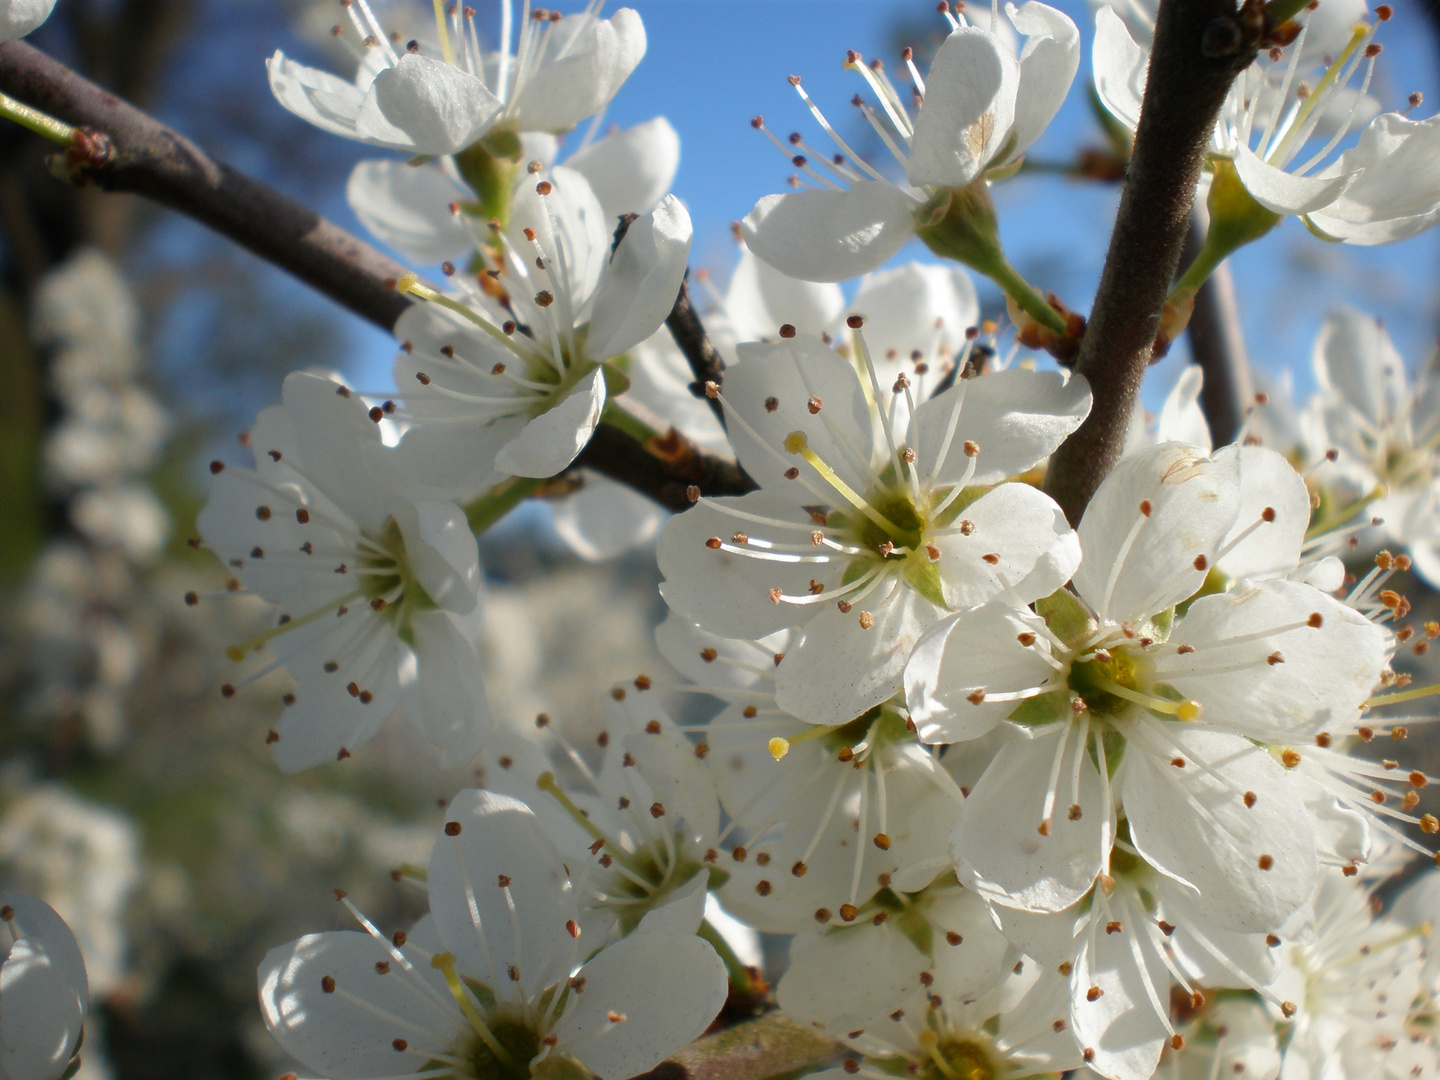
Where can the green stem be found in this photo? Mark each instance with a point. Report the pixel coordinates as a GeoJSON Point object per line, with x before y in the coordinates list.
{"type": "Point", "coordinates": [617, 416]}
{"type": "Point", "coordinates": [37, 121]}
{"type": "Point", "coordinates": [741, 981]}
{"type": "Point", "coordinates": [1025, 294]}
{"type": "Point", "coordinates": [1236, 219]}
{"type": "Point", "coordinates": [485, 510]}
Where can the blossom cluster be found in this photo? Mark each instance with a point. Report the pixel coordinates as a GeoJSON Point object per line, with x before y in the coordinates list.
{"type": "Point", "coordinates": [1027, 795]}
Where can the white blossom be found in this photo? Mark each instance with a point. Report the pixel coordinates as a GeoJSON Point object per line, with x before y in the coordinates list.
{"type": "Point", "coordinates": [515, 385]}
{"type": "Point", "coordinates": [1382, 189]}
{"type": "Point", "coordinates": [1173, 703]}
{"type": "Point", "coordinates": [871, 501]}
{"type": "Point", "coordinates": [499, 981]}
{"type": "Point", "coordinates": [563, 70]}
{"type": "Point", "coordinates": [380, 592]}
{"type": "Point", "coordinates": [983, 107]}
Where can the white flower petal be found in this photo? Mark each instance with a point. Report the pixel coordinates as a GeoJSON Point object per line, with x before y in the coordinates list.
{"type": "Point", "coordinates": [1020, 540]}
{"type": "Point", "coordinates": [1120, 67]}
{"type": "Point", "coordinates": [728, 592]}
{"type": "Point", "coordinates": [1192, 502]}
{"type": "Point", "coordinates": [441, 551]}
{"type": "Point", "coordinates": [500, 839]}
{"type": "Point", "coordinates": [19, 17]}
{"type": "Point", "coordinates": [969, 109]}
{"type": "Point", "coordinates": [667, 989]}
{"type": "Point", "coordinates": [683, 910]}
{"type": "Point", "coordinates": [771, 389]}
{"type": "Point", "coordinates": [408, 207]}
{"type": "Point", "coordinates": [327, 101]}
{"type": "Point", "coordinates": [605, 519]}
{"type": "Point", "coordinates": [1047, 68]}
{"type": "Point", "coordinates": [1016, 418]}
{"type": "Point", "coordinates": [1398, 193]}
{"type": "Point", "coordinates": [1181, 418]}
{"type": "Point", "coordinates": [444, 694]}
{"type": "Point", "coordinates": [1356, 362]}
{"type": "Point", "coordinates": [550, 442]}
{"type": "Point", "coordinates": [760, 299]}
{"type": "Point", "coordinates": [967, 656]}
{"type": "Point", "coordinates": [337, 1032]}
{"type": "Point", "coordinates": [997, 843]}
{"type": "Point", "coordinates": [569, 218]}
{"type": "Point", "coordinates": [1285, 193]}
{"type": "Point", "coordinates": [820, 988]}
{"type": "Point", "coordinates": [826, 235]}
{"type": "Point", "coordinates": [438, 107]}
{"type": "Point", "coordinates": [917, 307]}
{"type": "Point", "coordinates": [43, 992]}
{"type": "Point", "coordinates": [1319, 677]}
{"type": "Point", "coordinates": [840, 669]}
{"type": "Point", "coordinates": [326, 423]}
{"type": "Point", "coordinates": [1251, 866]}
{"type": "Point", "coordinates": [580, 70]}
{"type": "Point", "coordinates": [1122, 1025]}
{"type": "Point", "coordinates": [1269, 488]}
{"type": "Point", "coordinates": [630, 171]}
{"type": "Point", "coordinates": [641, 282]}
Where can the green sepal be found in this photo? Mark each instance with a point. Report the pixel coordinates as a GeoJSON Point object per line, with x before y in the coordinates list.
{"type": "Point", "coordinates": [616, 381]}
{"type": "Point", "coordinates": [1065, 615]}
{"type": "Point", "coordinates": [1042, 709]}
{"type": "Point", "coordinates": [924, 577]}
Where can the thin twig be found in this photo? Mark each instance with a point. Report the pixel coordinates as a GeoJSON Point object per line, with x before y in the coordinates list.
{"type": "Point", "coordinates": [1199, 48]}
{"type": "Point", "coordinates": [1218, 346]}
{"type": "Point", "coordinates": [152, 160]}
{"type": "Point", "coordinates": [771, 1045]}
{"type": "Point", "coordinates": [705, 361]}
{"type": "Point", "coordinates": [157, 162]}
{"type": "Point", "coordinates": [670, 471]}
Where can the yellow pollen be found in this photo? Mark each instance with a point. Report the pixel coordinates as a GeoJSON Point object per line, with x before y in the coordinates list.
{"type": "Point", "coordinates": [779, 747]}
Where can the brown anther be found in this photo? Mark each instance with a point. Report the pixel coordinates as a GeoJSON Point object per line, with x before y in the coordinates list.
{"type": "Point", "coordinates": [814, 405]}
{"type": "Point", "coordinates": [787, 331]}
{"type": "Point", "coordinates": [1275, 658]}
{"type": "Point", "coordinates": [452, 828]}
{"type": "Point", "coordinates": [775, 595]}
{"type": "Point", "coordinates": [713, 543]}
{"type": "Point", "coordinates": [1166, 928]}
{"type": "Point", "coordinates": [882, 841]}
{"type": "Point", "coordinates": [227, 691]}
{"type": "Point", "coordinates": [1075, 813]}
{"type": "Point", "coordinates": [1288, 1008]}
{"type": "Point", "coordinates": [855, 322]}
{"type": "Point", "coordinates": [763, 887]}
{"type": "Point", "coordinates": [1250, 799]}
{"type": "Point", "coordinates": [1177, 1042]}
{"type": "Point", "coordinates": [738, 853]}
{"type": "Point", "coordinates": [844, 606]}
{"type": "Point", "coordinates": [263, 513]}
{"type": "Point", "coordinates": [1289, 758]}
{"type": "Point", "coordinates": [992, 558]}
{"type": "Point", "coordinates": [1183, 649]}
{"type": "Point", "coordinates": [849, 912]}
{"type": "Point", "coordinates": [1094, 994]}
{"type": "Point", "coordinates": [1201, 563]}
{"type": "Point", "coordinates": [1316, 620]}
{"type": "Point", "coordinates": [1178, 762]}
{"type": "Point", "coordinates": [1114, 927]}
{"type": "Point", "coordinates": [1145, 507]}
{"type": "Point", "coordinates": [1265, 862]}
{"type": "Point", "coordinates": [708, 655]}
{"type": "Point", "coordinates": [867, 620]}
{"type": "Point", "coordinates": [972, 449]}
{"type": "Point", "coordinates": [1366, 733]}
{"type": "Point", "coordinates": [822, 915]}
{"type": "Point", "coordinates": [1430, 824]}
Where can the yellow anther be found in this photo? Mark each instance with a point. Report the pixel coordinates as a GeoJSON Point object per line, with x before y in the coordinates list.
{"type": "Point", "coordinates": [1189, 710]}
{"type": "Point", "coordinates": [779, 747]}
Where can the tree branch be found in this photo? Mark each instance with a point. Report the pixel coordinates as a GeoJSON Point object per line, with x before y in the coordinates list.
{"type": "Point", "coordinates": [1218, 346]}
{"type": "Point", "coordinates": [768, 1046]}
{"type": "Point", "coordinates": [152, 160]}
{"type": "Point", "coordinates": [670, 471]}
{"type": "Point", "coordinates": [689, 333]}
{"type": "Point", "coordinates": [1199, 48]}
